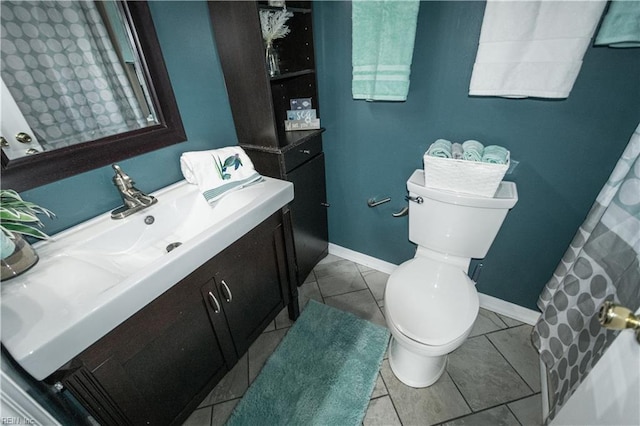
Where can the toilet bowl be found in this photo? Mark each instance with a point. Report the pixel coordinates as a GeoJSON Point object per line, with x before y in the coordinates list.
{"type": "Point", "coordinates": [430, 302]}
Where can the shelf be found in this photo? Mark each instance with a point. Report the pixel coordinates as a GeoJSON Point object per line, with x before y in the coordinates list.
{"type": "Point", "coordinates": [291, 6]}
{"type": "Point", "coordinates": [291, 140]}
{"type": "Point", "coordinates": [292, 74]}
{"type": "Point", "coordinates": [290, 9]}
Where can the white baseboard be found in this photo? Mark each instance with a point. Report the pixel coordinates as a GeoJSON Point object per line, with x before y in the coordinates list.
{"type": "Point", "coordinates": [511, 310]}
{"type": "Point", "coordinates": [362, 259]}
{"type": "Point", "coordinates": [499, 306]}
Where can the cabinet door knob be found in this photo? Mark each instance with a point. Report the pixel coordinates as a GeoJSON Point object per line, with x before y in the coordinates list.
{"type": "Point", "coordinates": [226, 292]}
{"type": "Point", "coordinates": [214, 303]}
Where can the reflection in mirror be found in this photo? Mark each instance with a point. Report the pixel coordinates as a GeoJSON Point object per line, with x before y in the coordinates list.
{"type": "Point", "coordinates": [73, 73]}
{"type": "Point", "coordinates": [80, 80]}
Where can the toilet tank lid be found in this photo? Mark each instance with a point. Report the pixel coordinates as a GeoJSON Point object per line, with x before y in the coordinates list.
{"type": "Point", "coordinates": [505, 198]}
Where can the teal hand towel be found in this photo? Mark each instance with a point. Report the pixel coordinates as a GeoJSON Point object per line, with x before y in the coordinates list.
{"type": "Point", "coordinates": [621, 25]}
{"type": "Point", "coordinates": [440, 148]}
{"type": "Point", "coordinates": [472, 150]}
{"type": "Point", "coordinates": [383, 35]}
{"type": "Point", "coordinates": [495, 154]}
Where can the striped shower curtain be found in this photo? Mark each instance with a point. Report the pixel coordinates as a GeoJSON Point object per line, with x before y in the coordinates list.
{"type": "Point", "coordinates": [601, 264]}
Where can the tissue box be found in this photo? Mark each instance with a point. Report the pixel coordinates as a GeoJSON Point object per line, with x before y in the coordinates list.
{"type": "Point", "coordinates": [469, 177]}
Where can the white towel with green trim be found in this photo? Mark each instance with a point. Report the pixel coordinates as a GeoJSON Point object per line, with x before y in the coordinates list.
{"type": "Point", "coordinates": [218, 171]}
{"type": "Point", "coordinates": [383, 36]}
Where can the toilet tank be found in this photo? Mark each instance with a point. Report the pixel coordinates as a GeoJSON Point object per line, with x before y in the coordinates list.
{"type": "Point", "coordinates": [457, 224]}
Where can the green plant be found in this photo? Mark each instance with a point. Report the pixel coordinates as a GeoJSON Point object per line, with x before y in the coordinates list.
{"type": "Point", "coordinates": [18, 216]}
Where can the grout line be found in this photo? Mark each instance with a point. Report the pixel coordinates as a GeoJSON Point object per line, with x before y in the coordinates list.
{"type": "Point", "coordinates": [389, 394]}
{"type": "Point", "coordinates": [458, 389]}
{"type": "Point", "coordinates": [511, 365]}
{"type": "Point", "coordinates": [211, 415]}
{"type": "Point", "coordinates": [373, 296]}
{"type": "Point", "coordinates": [514, 414]}
{"type": "Point", "coordinates": [474, 413]}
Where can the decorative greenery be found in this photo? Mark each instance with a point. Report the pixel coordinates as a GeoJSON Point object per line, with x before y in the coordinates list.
{"type": "Point", "coordinates": [273, 25]}
{"type": "Point", "coordinates": [232, 160]}
{"type": "Point", "coordinates": [19, 217]}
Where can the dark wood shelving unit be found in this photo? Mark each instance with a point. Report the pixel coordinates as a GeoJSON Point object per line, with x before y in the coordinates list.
{"type": "Point", "coordinates": [259, 105]}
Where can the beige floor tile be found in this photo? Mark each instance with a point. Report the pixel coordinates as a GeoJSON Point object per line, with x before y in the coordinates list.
{"type": "Point", "coordinates": [222, 411]}
{"type": "Point", "coordinates": [483, 376]}
{"type": "Point", "coordinates": [307, 292]}
{"type": "Point", "coordinates": [381, 413]}
{"type": "Point", "coordinates": [435, 404]}
{"type": "Point", "coordinates": [486, 322]}
{"type": "Point", "coordinates": [200, 417]}
{"type": "Point", "coordinates": [338, 278]}
{"type": "Point", "coordinates": [376, 281]}
{"type": "Point", "coordinates": [233, 385]}
{"type": "Point", "coordinates": [380, 389]}
{"type": "Point", "coordinates": [528, 410]}
{"type": "Point", "coordinates": [360, 303]}
{"type": "Point", "coordinates": [497, 416]}
{"type": "Point", "coordinates": [515, 345]}
{"type": "Point", "coordinates": [510, 321]}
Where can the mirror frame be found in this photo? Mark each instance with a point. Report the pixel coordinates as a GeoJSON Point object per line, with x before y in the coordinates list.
{"type": "Point", "coordinates": [33, 171]}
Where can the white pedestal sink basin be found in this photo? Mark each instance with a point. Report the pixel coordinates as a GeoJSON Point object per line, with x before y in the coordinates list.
{"type": "Point", "coordinates": [92, 277]}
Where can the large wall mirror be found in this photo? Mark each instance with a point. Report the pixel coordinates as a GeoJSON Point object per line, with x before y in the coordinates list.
{"type": "Point", "coordinates": [83, 85]}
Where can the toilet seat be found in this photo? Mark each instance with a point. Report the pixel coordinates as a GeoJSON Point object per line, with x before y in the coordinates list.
{"type": "Point", "coordinates": [431, 302]}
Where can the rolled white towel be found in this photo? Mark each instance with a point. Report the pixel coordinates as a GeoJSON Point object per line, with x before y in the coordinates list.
{"type": "Point", "coordinates": [218, 171]}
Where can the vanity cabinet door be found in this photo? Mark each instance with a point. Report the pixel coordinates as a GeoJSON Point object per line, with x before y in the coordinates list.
{"type": "Point", "coordinates": [159, 364]}
{"type": "Point", "coordinates": [309, 215]}
{"type": "Point", "coordinates": [253, 281]}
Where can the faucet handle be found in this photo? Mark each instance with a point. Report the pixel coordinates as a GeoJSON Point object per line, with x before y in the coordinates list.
{"type": "Point", "coordinates": [117, 169]}
{"type": "Point", "coordinates": [121, 179]}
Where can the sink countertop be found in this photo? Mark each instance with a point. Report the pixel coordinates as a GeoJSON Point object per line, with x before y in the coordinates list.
{"type": "Point", "coordinates": [65, 303]}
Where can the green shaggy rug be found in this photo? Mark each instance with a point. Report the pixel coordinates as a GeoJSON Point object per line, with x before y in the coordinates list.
{"type": "Point", "coordinates": [322, 373]}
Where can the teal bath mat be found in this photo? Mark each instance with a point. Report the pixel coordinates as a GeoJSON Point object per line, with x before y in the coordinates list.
{"type": "Point", "coordinates": [322, 373]}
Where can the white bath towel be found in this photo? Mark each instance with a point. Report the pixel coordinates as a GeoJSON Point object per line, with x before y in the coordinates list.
{"type": "Point", "coordinates": [218, 171]}
{"type": "Point", "coordinates": [533, 48]}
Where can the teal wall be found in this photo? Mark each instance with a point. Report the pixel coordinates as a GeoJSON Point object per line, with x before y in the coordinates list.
{"type": "Point", "coordinates": [566, 148]}
{"type": "Point", "coordinates": [189, 51]}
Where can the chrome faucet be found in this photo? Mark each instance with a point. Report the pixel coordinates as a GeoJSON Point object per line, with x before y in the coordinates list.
{"type": "Point", "coordinates": [134, 200]}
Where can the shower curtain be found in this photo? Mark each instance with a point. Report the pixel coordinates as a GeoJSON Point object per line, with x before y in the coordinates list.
{"type": "Point", "coordinates": [602, 263]}
{"type": "Point", "coordinates": [61, 67]}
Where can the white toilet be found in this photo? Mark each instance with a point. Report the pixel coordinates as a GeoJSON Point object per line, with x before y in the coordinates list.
{"type": "Point", "coordinates": [430, 302]}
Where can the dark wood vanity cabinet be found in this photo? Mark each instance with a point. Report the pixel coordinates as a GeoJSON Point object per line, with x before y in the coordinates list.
{"type": "Point", "coordinates": [158, 365]}
{"type": "Point", "coordinates": [259, 104]}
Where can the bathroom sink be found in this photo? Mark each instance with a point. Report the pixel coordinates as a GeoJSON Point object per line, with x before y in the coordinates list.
{"type": "Point", "coordinates": [92, 277]}
{"type": "Point", "coordinates": [136, 243]}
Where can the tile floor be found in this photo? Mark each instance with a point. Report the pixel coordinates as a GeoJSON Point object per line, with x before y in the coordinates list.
{"type": "Point", "coordinates": [492, 379]}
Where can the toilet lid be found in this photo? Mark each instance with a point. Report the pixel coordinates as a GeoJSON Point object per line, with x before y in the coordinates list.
{"type": "Point", "coordinates": [431, 302]}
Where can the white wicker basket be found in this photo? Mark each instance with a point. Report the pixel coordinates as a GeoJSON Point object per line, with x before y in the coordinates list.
{"type": "Point", "coordinates": [470, 177]}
